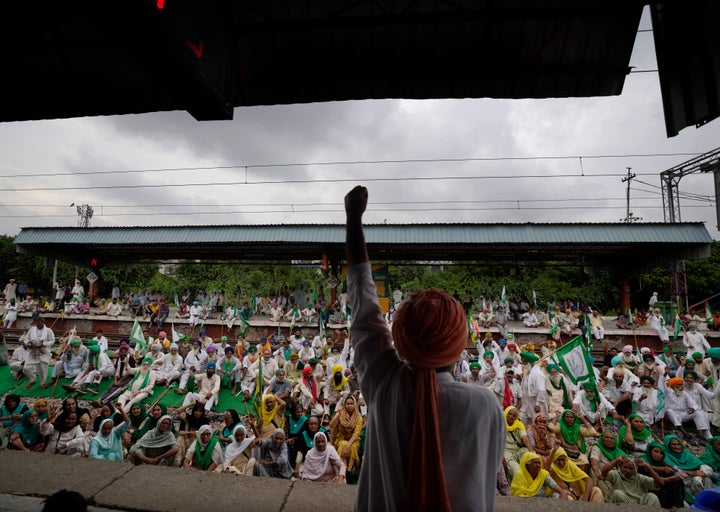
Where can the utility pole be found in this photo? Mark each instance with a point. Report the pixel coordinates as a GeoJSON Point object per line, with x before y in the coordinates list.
{"type": "Point", "coordinates": [85, 211]}
{"type": "Point", "coordinates": [629, 218]}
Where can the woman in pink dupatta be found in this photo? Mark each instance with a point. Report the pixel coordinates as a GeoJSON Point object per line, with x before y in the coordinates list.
{"type": "Point", "coordinates": [322, 463]}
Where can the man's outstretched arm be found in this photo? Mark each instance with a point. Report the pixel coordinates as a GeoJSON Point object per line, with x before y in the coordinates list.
{"type": "Point", "coordinates": [355, 204]}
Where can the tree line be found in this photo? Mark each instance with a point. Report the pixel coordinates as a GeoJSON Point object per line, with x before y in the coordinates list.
{"type": "Point", "coordinates": [550, 281]}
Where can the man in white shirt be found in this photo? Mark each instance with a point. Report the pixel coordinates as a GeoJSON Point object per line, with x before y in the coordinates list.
{"type": "Point", "coordinates": [114, 308]}
{"type": "Point", "coordinates": [529, 318]}
{"type": "Point", "coordinates": [653, 300]}
{"type": "Point", "coordinates": [102, 340]}
{"type": "Point", "coordinates": [680, 407]}
{"type": "Point", "coordinates": [39, 339]}
{"type": "Point", "coordinates": [195, 312]}
{"type": "Point", "coordinates": [209, 390]}
{"type": "Point", "coordinates": [694, 340]}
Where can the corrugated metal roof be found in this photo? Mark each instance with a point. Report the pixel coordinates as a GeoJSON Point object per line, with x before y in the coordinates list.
{"type": "Point", "coordinates": [589, 233]}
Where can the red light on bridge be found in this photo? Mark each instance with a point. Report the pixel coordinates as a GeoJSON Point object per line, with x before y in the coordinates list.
{"type": "Point", "coordinates": [160, 4]}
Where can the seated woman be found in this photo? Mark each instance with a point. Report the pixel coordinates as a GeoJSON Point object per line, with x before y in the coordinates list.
{"type": "Point", "coordinates": [541, 440]}
{"type": "Point", "coordinates": [157, 447]}
{"type": "Point", "coordinates": [205, 453]}
{"type": "Point", "coordinates": [69, 405]}
{"type": "Point", "coordinates": [630, 487]}
{"type": "Point", "coordinates": [517, 442]}
{"type": "Point", "coordinates": [190, 424]}
{"type": "Point", "coordinates": [67, 438]}
{"type": "Point", "coordinates": [570, 477]}
{"type": "Point", "coordinates": [238, 458]}
{"type": "Point", "coordinates": [105, 411]}
{"type": "Point", "coordinates": [345, 428]}
{"type": "Point", "coordinates": [697, 475]}
{"type": "Point", "coordinates": [138, 417]}
{"type": "Point", "coordinates": [605, 450]}
{"type": "Point", "coordinates": [572, 434]}
{"type": "Point", "coordinates": [12, 411]}
{"type": "Point", "coordinates": [672, 492]}
{"type": "Point", "coordinates": [107, 444]}
{"type": "Point", "coordinates": [532, 481]}
{"type": "Point", "coordinates": [231, 418]}
{"type": "Point", "coordinates": [635, 436]}
{"type": "Point", "coordinates": [273, 459]}
{"type": "Point", "coordinates": [323, 464]}
{"type": "Point", "coordinates": [711, 457]}
{"type": "Point", "coordinates": [296, 422]}
{"type": "Point", "coordinates": [26, 435]}
{"type": "Point", "coordinates": [272, 415]}
{"type": "Point", "coordinates": [306, 440]}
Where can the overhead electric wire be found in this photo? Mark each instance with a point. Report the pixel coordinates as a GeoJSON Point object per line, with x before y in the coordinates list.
{"type": "Point", "coordinates": [342, 210]}
{"type": "Point", "coordinates": [452, 201]}
{"type": "Point", "coordinates": [347, 162]}
{"type": "Point", "coordinates": [317, 180]}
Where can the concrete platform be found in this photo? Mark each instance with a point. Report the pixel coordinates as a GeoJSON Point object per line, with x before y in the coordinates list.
{"type": "Point", "coordinates": [27, 478]}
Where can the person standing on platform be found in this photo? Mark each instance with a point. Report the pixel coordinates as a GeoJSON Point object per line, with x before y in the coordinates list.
{"type": "Point", "coordinates": [38, 339]}
{"type": "Point", "coordinates": [412, 400]}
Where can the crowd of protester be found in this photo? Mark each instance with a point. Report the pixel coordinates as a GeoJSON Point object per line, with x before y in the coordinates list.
{"type": "Point", "coordinates": [641, 432]}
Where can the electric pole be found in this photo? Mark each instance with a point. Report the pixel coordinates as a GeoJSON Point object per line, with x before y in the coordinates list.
{"type": "Point", "coordinates": [629, 218]}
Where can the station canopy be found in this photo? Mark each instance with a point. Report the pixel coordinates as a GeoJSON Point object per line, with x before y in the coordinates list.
{"type": "Point", "coordinates": [609, 245]}
{"type": "Point", "coordinates": [89, 58]}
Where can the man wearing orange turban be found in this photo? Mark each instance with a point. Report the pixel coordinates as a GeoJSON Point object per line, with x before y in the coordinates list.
{"type": "Point", "coordinates": [411, 401]}
{"type": "Point", "coordinates": [681, 407]}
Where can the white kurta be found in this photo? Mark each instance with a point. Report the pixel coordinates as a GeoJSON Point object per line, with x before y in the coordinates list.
{"type": "Point", "coordinates": [470, 419]}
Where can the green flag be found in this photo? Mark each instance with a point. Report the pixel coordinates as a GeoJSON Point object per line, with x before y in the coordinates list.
{"type": "Point", "coordinates": [244, 326]}
{"type": "Point", "coordinates": [708, 314]}
{"type": "Point", "coordinates": [678, 327]}
{"type": "Point", "coordinates": [136, 335]}
{"type": "Point", "coordinates": [574, 359]}
{"type": "Point", "coordinates": [257, 394]}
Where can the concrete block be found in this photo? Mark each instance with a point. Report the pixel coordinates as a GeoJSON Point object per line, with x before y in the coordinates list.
{"type": "Point", "coordinates": [320, 497]}
{"type": "Point", "coordinates": [40, 474]}
{"type": "Point", "coordinates": [152, 488]}
{"type": "Point", "coordinates": [514, 504]}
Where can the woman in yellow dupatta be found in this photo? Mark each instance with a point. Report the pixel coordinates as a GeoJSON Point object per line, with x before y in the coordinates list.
{"type": "Point", "coordinates": [272, 415]}
{"type": "Point", "coordinates": [346, 428]}
{"type": "Point", "coordinates": [566, 473]}
{"type": "Point", "coordinates": [516, 441]}
{"type": "Point", "coordinates": [532, 481]}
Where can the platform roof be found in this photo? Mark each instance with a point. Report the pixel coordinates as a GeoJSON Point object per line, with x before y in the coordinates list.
{"type": "Point", "coordinates": [89, 58]}
{"type": "Point", "coordinates": [589, 244]}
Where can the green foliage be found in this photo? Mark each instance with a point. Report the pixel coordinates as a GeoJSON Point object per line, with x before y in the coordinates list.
{"type": "Point", "coordinates": [551, 281]}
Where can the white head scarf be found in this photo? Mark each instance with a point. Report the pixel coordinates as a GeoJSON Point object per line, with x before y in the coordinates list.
{"type": "Point", "coordinates": [234, 449]}
{"type": "Point", "coordinates": [204, 428]}
{"type": "Point", "coordinates": [316, 461]}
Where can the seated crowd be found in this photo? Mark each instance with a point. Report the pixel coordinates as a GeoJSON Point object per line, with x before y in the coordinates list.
{"type": "Point", "coordinates": [595, 441]}
{"type": "Point", "coordinates": [306, 416]}
{"type": "Point", "coordinates": [626, 436]}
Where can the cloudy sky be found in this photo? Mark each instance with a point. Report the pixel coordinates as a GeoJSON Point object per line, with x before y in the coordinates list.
{"type": "Point", "coordinates": [509, 160]}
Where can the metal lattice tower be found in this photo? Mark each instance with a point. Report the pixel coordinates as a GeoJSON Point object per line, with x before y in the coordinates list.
{"type": "Point", "coordinates": [670, 179]}
{"type": "Point", "coordinates": [85, 211]}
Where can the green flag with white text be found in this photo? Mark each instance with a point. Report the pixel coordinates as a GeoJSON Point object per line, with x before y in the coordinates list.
{"type": "Point", "coordinates": [136, 335]}
{"type": "Point", "coordinates": [574, 359]}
